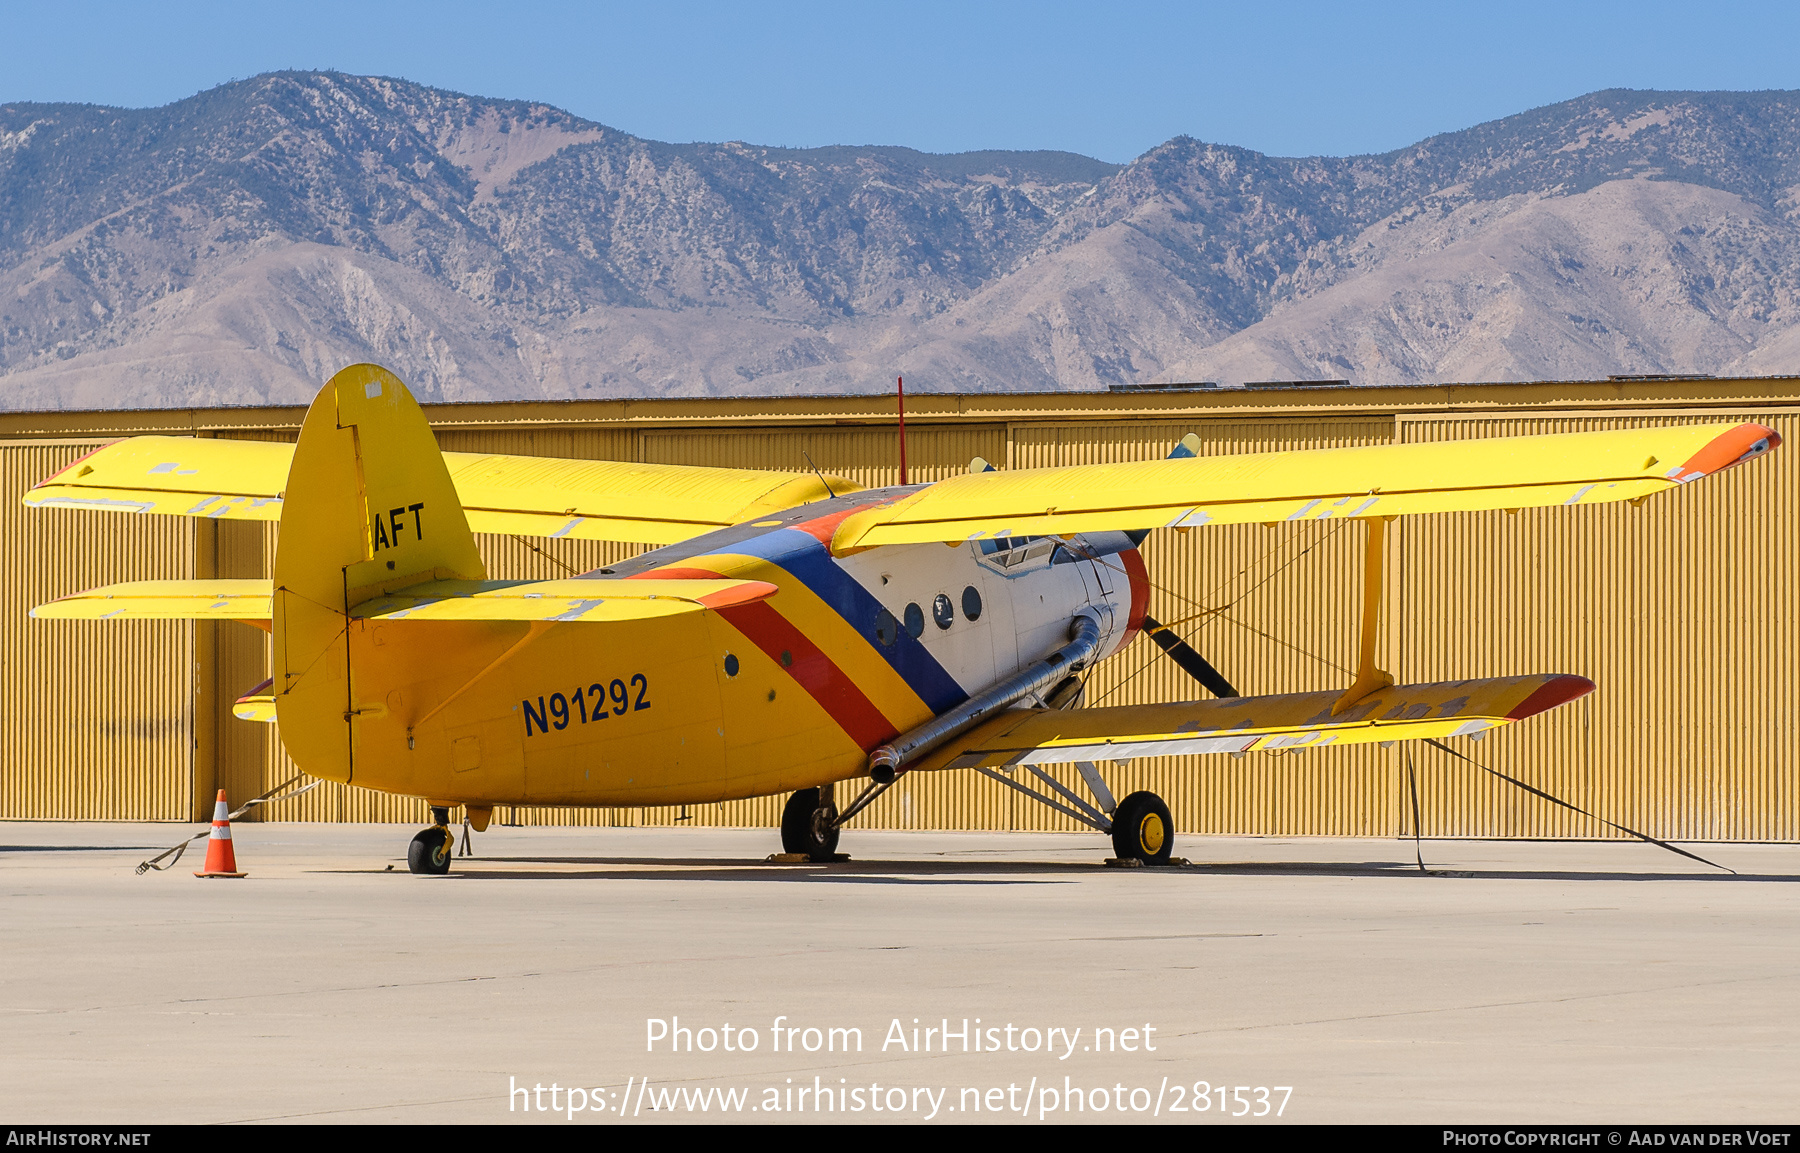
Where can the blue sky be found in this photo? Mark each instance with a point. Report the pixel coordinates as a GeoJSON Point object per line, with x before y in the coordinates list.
{"type": "Point", "coordinates": [1106, 80]}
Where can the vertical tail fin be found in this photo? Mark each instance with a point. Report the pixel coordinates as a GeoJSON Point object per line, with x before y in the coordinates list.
{"type": "Point", "coordinates": [369, 507]}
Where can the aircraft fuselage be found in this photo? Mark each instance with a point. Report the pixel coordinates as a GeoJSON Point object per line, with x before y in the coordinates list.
{"type": "Point", "coordinates": [743, 701]}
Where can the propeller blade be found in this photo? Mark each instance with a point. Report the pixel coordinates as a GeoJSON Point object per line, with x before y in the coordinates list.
{"type": "Point", "coordinates": [1191, 662]}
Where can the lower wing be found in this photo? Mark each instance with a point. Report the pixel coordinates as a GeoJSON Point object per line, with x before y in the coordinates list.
{"type": "Point", "coordinates": [1252, 724]}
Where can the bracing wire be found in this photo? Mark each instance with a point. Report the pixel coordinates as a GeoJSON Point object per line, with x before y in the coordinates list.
{"type": "Point", "coordinates": [1209, 615]}
{"type": "Point", "coordinates": [553, 560]}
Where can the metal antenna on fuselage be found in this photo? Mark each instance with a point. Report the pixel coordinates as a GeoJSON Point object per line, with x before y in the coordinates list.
{"type": "Point", "coordinates": [817, 473]}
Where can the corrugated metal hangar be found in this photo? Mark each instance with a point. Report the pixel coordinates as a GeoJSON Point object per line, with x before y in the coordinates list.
{"type": "Point", "coordinates": [1682, 610]}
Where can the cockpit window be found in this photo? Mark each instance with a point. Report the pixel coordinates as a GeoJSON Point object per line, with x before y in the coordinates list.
{"type": "Point", "coordinates": [1007, 552]}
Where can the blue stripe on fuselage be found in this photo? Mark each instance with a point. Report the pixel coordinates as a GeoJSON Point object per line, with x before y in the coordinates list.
{"type": "Point", "coordinates": [807, 558]}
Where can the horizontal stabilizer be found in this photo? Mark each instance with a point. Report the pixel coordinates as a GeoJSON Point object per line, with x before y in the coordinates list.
{"type": "Point", "coordinates": [554, 600]}
{"type": "Point", "coordinates": [559, 600]}
{"type": "Point", "coordinates": [528, 496]}
{"type": "Point", "coordinates": [1252, 724]}
{"type": "Point", "coordinates": [257, 705]}
{"type": "Point", "coordinates": [219, 599]}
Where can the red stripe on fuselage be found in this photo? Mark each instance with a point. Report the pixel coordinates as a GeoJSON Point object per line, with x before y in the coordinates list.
{"type": "Point", "coordinates": [824, 527]}
{"type": "Point", "coordinates": [811, 669]}
{"type": "Point", "coordinates": [815, 672]}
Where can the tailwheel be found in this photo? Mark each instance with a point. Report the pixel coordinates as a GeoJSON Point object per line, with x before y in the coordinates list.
{"type": "Point", "coordinates": [431, 850]}
{"type": "Point", "coordinates": [1142, 830]}
{"type": "Point", "coordinates": [809, 827]}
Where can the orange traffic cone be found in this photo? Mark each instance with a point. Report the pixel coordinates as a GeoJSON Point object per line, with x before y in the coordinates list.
{"type": "Point", "coordinates": [220, 860]}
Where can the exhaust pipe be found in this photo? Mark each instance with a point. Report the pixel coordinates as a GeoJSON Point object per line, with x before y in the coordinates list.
{"type": "Point", "coordinates": [885, 762]}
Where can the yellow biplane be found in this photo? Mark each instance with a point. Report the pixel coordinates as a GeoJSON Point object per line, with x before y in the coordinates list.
{"type": "Point", "coordinates": [791, 632]}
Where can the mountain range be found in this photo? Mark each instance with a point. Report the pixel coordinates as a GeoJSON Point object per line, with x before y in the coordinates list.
{"type": "Point", "coordinates": [239, 246]}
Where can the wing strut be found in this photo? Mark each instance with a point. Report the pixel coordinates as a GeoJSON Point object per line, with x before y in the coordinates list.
{"type": "Point", "coordinates": [1369, 679]}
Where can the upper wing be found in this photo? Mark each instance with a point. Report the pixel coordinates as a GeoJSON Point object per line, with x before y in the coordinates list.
{"type": "Point", "coordinates": [181, 475]}
{"type": "Point", "coordinates": [1245, 724]}
{"type": "Point", "coordinates": [1378, 480]}
{"type": "Point", "coordinates": [660, 504]}
{"type": "Point", "coordinates": [533, 496]}
{"type": "Point", "coordinates": [553, 600]}
{"type": "Point", "coordinates": [615, 500]}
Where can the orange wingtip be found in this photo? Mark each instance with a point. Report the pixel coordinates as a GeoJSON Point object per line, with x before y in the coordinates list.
{"type": "Point", "coordinates": [1744, 443]}
{"type": "Point", "coordinates": [743, 593]}
{"type": "Point", "coordinates": [75, 465]}
{"type": "Point", "coordinates": [1553, 692]}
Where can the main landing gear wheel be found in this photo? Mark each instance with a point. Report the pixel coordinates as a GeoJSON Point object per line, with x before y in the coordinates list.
{"type": "Point", "coordinates": [430, 851]}
{"type": "Point", "coordinates": [807, 828]}
{"type": "Point", "coordinates": [1142, 829]}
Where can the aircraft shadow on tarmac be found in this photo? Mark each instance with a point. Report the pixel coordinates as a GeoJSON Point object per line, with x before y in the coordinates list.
{"type": "Point", "coordinates": [748, 869]}
{"type": "Point", "coordinates": [990, 872]}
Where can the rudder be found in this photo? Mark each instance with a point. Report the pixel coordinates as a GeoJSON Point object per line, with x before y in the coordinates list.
{"type": "Point", "coordinates": [369, 508]}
